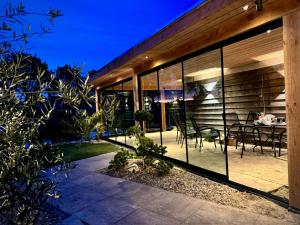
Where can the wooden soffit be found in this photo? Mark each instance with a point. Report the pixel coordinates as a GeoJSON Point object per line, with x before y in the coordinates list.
{"type": "Point", "coordinates": [209, 23]}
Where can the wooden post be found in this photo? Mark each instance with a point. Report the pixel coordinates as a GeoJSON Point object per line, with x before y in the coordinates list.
{"type": "Point", "coordinates": [163, 110]}
{"type": "Point", "coordinates": [97, 99]}
{"type": "Point", "coordinates": [291, 39]}
{"type": "Point", "coordinates": [135, 85]}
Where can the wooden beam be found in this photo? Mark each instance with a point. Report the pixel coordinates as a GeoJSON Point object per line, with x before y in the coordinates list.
{"type": "Point", "coordinates": [97, 99]}
{"type": "Point", "coordinates": [135, 92]}
{"type": "Point", "coordinates": [163, 110]}
{"type": "Point", "coordinates": [291, 37]}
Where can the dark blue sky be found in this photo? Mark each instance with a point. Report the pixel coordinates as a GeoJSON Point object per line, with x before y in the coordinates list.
{"type": "Point", "coordinates": [93, 32]}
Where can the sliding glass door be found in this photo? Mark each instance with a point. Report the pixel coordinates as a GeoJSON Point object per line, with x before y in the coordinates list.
{"type": "Point", "coordinates": [172, 111]}
{"type": "Point", "coordinates": [150, 101]}
{"type": "Point", "coordinates": [118, 108]}
{"type": "Point", "coordinates": [204, 108]}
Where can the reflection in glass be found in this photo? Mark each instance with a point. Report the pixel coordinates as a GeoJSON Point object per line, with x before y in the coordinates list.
{"type": "Point", "coordinates": [117, 107]}
{"type": "Point", "coordinates": [128, 109]}
{"type": "Point", "coordinates": [204, 108]}
{"type": "Point", "coordinates": [150, 102]}
{"type": "Point", "coordinates": [172, 111]}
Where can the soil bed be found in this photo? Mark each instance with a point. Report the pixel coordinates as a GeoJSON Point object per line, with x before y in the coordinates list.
{"type": "Point", "coordinates": [182, 181]}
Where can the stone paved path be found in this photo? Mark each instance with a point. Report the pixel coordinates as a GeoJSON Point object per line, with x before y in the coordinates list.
{"type": "Point", "coordinates": [96, 199]}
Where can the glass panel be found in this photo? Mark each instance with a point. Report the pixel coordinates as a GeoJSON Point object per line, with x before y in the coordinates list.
{"type": "Point", "coordinates": [117, 132]}
{"type": "Point", "coordinates": [254, 85]}
{"type": "Point", "coordinates": [128, 109]}
{"type": "Point", "coordinates": [108, 114]}
{"type": "Point", "coordinates": [172, 111]}
{"type": "Point", "coordinates": [150, 102]}
{"type": "Point", "coordinates": [204, 107]}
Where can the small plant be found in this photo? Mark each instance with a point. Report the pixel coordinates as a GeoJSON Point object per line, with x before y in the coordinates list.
{"type": "Point", "coordinates": [120, 160]}
{"type": "Point", "coordinates": [148, 150]}
{"type": "Point", "coordinates": [163, 168]}
{"type": "Point", "coordinates": [142, 116]}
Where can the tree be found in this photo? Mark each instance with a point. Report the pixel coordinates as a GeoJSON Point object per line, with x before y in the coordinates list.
{"type": "Point", "coordinates": [64, 125]}
{"type": "Point", "coordinates": [24, 109]}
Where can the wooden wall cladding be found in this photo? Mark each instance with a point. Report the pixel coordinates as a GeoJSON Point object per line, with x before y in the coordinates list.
{"type": "Point", "coordinates": [255, 90]}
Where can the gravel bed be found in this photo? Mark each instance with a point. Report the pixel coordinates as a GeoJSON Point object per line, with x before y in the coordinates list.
{"type": "Point", "coordinates": [181, 181]}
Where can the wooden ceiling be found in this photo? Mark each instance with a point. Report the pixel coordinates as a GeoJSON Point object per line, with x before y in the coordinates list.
{"type": "Point", "coordinates": [210, 22]}
{"type": "Point", "coordinates": [257, 52]}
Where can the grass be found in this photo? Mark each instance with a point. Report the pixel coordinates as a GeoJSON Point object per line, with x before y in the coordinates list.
{"type": "Point", "coordinates": [83, 151]}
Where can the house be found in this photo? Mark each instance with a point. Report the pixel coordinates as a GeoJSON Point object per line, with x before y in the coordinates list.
{"type": "Point", "coordinates": [225, 62]}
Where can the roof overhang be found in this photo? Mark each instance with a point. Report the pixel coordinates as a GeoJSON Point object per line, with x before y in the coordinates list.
{"type": "Point", "coordinates": [205, 25]}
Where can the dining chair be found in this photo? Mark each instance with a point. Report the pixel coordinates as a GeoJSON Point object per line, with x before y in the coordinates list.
{"type": "Point", "coordinates": [203, 131]}
{"type": "Point", "coordinates": [233, 127]}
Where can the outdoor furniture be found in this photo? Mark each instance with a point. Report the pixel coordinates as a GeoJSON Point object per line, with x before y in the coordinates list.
{"type": "Point", "coordinates": [249, 129]}
{"type": "Point", "coordinates": [275, 133]}
{"type": "Point", "coordinates": [178, 130]}
{"type": "Point", "coordinates": [186, 131]}
{"type": "Point", "coordinates": [205, 132]}
{"type": "Point", "coordinates": [280, 138]}
{"type": "Point", "coordinates": [233, 127]}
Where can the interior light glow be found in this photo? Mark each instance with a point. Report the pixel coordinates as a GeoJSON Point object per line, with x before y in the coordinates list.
{"type": "Point", "coordinates": [269, 31]}
{"type": "Point", "coordinates": [245, 7]}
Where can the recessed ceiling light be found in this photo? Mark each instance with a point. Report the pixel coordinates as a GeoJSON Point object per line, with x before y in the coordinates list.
{"type": "Point", "coordinates": [245, 7]}
{"type": "Point", "coordinates": [269, 31]}
{"type": "Point", "coordinates": [146, 57]}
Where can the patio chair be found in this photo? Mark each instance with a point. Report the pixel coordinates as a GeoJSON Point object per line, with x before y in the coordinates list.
{"type": "Point", "coordinates": [279, 139]}
{"type": "Point", "coordinates": [183, 131]}
{"type": "Point", "coordinates": [233, 127]}
{"type": "Point", "coordinates": [254, 131]}
{"type": "Point", "coordinates": [178, 129]}
{"type": "Point", "coordinates": [203, 131]}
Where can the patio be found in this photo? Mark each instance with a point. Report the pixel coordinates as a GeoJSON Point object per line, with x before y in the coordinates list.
{"type": "Point", "coordinates": [110, 200]}
{"type": "Point", "coordinates": [260, 171]}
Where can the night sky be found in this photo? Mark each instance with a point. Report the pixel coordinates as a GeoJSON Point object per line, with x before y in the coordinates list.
{"type": "Point", "coordinates": [93, 32]}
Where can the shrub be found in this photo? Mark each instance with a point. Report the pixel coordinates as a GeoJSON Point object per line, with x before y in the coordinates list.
{"type": "Point", "coordinates": [120, 160]}
{"type": "Point", "coordinates": [163, 168]}
{"type": "Point", "coordinates": [148, 150]}
{"type": "Point", "coordinates": [142, 116]}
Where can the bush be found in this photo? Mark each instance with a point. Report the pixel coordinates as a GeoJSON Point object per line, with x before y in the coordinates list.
{"type": "Point", "coordinates": [142, 116]}
{"type": "Point", "coordinates": [120, 160]}
{"type": "Point", "coordinates": [148, 150]}
{"type": "Point", "coordinates": [163, 168]}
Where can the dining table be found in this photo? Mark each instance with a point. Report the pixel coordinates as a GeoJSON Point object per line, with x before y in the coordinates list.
{"type": "Point", "coordinates": [270, 130]}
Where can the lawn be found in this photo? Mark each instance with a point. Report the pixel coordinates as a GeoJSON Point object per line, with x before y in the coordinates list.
{"type": "Point", "coordinates": [83, 151]}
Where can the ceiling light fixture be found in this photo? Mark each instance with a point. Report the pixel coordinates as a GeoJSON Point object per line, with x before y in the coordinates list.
{"type": "Point", "coordinates": [245, 7]}
{"type": "Point", "coordinates": [146, 57]}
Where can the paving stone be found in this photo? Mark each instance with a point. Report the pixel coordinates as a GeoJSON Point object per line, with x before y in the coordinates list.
{"type": "Point", "coordinates": [173, 205]}
{"type": "Point", "coordinates": [211, 213]}
{"type": "Point", "coordinates": [141, 196]}
{"type": "Point", "coordinates": [76, 201]}
{"type": "Point", "coordinates": [72, 220]}
{"type": "Point", "coordinates": [264, 220]}
{"type": "Point", "coordinates": [146, 217]}
{"type": "Point", "coordinates": [108, 211]}
{"type": "Point", "coordinates": [99, 199]}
